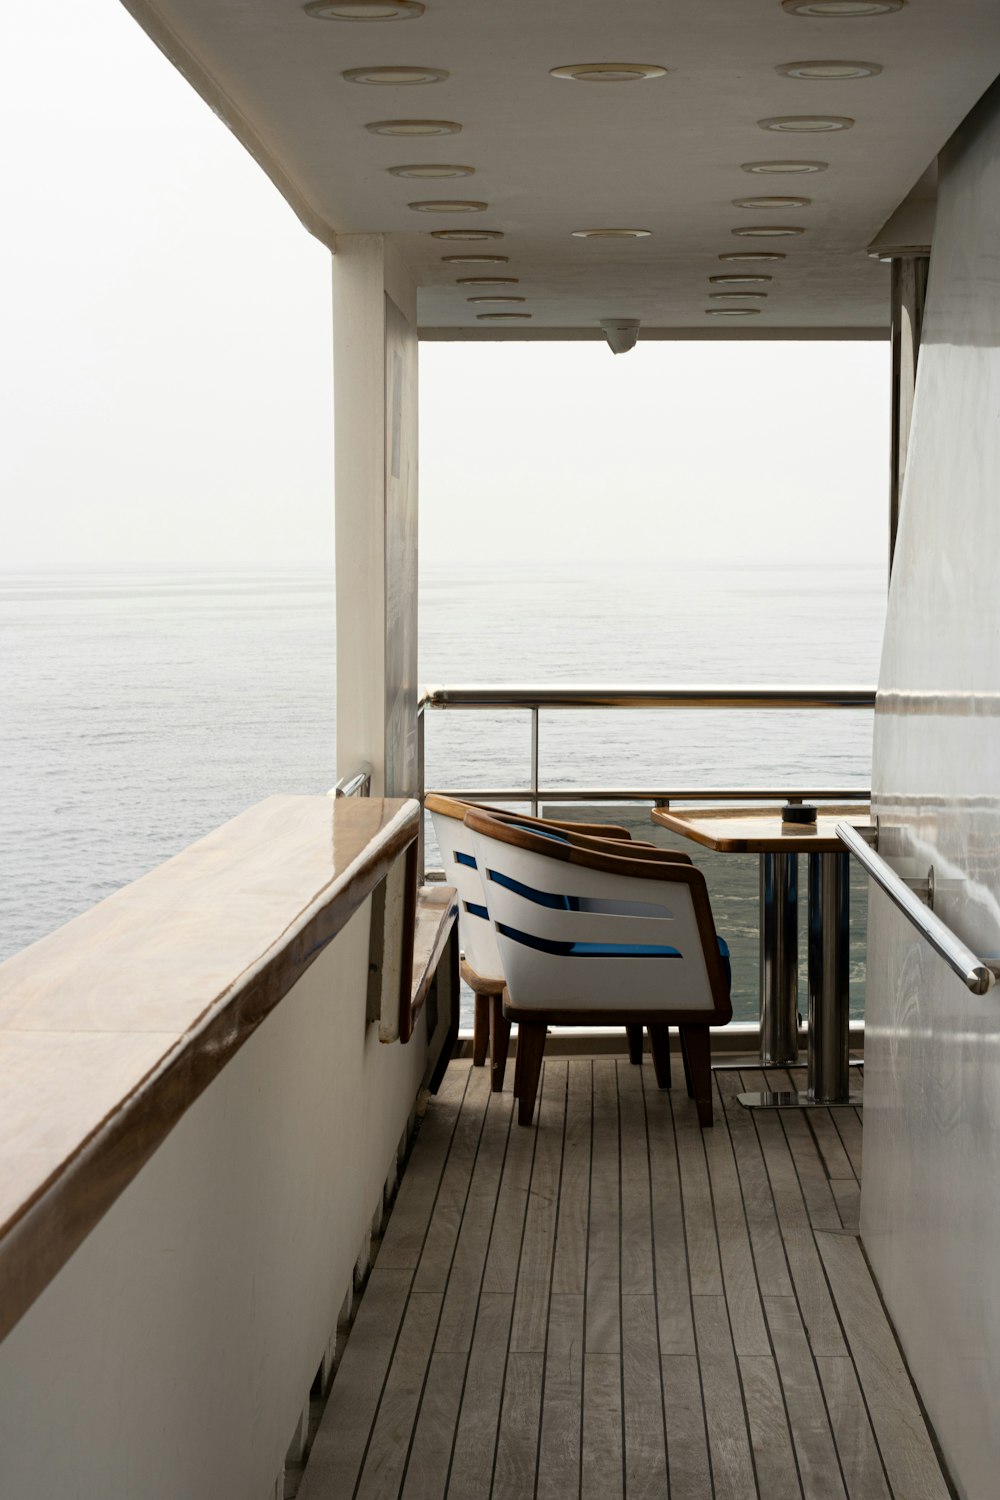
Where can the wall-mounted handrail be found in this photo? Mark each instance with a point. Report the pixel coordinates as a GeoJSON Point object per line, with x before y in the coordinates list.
{"type": "Point", "coordinates": [682, 696]}
{"type": "Point", "coordinates": [975, 973]}
{"type": "Point", "coordinates": [358, 785]}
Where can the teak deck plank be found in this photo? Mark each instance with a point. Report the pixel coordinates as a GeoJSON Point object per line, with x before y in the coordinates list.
{"type": "Point", "coordinates": [615, 1305]}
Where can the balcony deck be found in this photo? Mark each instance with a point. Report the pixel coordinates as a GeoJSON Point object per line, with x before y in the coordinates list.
{"type": "Point", "coordinates": [614, 1304]}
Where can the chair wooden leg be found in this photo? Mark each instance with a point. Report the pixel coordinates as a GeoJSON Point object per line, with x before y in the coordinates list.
{"type": "Point", "coordinates": [634, 1034]}
{"type": "Point", "coordinates": [659, 1042]}
{"type": "Point", "coordinates": [481, 1030]}
{"type": "Point", "coordinates": [687, 1066]}
{"type": "Point", "coordinates": [697, 1044]}
{"type": "Point", "coordinates": [530, 1047]}
{"type": "Point", "coordinates": [499, 1043]}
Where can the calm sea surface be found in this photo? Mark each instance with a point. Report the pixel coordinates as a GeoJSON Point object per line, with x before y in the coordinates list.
{"type": "Point", "coordinates": [142, 710]}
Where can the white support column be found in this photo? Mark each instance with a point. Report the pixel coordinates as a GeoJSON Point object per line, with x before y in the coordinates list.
{"type": "Point", "coordinates": [375, 435]}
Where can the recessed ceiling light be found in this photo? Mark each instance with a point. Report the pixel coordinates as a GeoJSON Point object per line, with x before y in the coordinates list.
{"type": "Point", "coordinates": [767, 231]}
{"type": "Point", "coordinates": [448, 206]}
{"type": "Point", "coordinates": [414, 127]}
{"type": "Point", "coordinates": [731, 312]}
{"type": "Point", "coordinates": [745, 255]}
{"type": "Point", "coordinates": [487, 281]}
{"type": "Point", "coordinates": [767, 168]}
{"type": "Point", "coordinates": [496, 317]}
{"type": "Point", "coordinates": [608, 72]}
{"type": "Point", "coordinates": [474, 260]}
{"type": "Point", "coordinates": [611, 234]}
{"type": "Point", "coordinates": [772, 200]}
{"type": "Point", "coordinates": [745, 278]}
{"type": "Point", "coordinates": [806, 124]}
{"type": "Point", "coordinates": [396, 75]}
{"type": "Point", "coordinates": [497, 300]}
{"type": "Point", "coordinates": [365, 10]}
{"type": "Point", "coordinates": [837, 70]}
{"type": "Point", "coordinates": [841, 7]}
{"type": "Point", "coordinates": [430, 169]}
{"type": "Point", "coordinates": [467, 234]}
{"type": "Point", "coordinates": [739, 296]}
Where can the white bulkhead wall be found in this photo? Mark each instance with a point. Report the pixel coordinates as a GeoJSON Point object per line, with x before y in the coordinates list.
{"type": "Point", "coordinates": [930, 1199]}
{"type": "Point", "coordinates": [375, 456]}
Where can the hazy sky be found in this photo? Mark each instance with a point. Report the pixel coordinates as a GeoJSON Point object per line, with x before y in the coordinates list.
{"type": "Point", "coordinates": [166, 383]}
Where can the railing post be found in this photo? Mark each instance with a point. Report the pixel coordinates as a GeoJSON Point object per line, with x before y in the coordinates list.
{"type": "Point", "coordinates": [534, 760]}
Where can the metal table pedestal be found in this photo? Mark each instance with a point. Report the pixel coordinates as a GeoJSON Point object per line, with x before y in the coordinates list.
{"type": "Point", "coordinates": [829, 1076]}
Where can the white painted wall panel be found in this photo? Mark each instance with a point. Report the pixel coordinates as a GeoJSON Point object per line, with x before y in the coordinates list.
{"type": "Point", "coordinates": [931, 1199]}
{"type": "Point", "coordinates": [171, 1357]}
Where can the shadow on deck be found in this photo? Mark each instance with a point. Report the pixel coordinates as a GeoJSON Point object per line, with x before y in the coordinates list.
{"type": "Point", "coordinates": [617, 1304]}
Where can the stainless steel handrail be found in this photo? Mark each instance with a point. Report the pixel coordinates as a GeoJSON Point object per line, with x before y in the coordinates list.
{"type": "Point", "coordinates": [357, 785]}
{"type": "Point", "coordinates": [681, 696]}
{"type": "Point", "coordinates": [975, 973]}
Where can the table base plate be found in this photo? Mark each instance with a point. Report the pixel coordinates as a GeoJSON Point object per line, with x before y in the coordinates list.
{"type": "Point", "coordinates": [787, 1099]}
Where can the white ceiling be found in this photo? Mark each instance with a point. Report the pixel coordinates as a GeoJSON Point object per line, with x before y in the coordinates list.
{"type": "Point", "coordinates": [552, 156]}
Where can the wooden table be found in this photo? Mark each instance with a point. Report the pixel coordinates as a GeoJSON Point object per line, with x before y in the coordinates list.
{"type": "Point", "coordinates": [759, 830]}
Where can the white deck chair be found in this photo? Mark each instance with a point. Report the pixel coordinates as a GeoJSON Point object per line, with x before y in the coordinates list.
{"type": "Point", "coordinates": [480, 964]}
{"type": "Point", "coordinates": [589, 934]}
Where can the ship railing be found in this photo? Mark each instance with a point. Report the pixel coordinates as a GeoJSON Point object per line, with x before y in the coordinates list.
{"type": "Point", "coordinates": [729, 877]}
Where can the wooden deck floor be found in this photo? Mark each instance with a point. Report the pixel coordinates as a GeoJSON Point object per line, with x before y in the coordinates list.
{"type": "Point", "coordinates": [615, 1304]}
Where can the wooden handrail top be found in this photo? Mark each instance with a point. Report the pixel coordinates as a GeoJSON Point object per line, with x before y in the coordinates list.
{"type": "Point", "coordinates": [113, 1025]}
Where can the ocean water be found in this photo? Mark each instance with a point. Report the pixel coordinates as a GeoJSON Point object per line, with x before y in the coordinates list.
{"type": "Point", "coordinates": [142, 710]}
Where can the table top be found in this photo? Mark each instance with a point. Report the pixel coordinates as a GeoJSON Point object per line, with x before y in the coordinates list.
{"type": "Point", "coordinates": [759, 830]}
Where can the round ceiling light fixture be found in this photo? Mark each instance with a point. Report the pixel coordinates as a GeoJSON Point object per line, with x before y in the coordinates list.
{"type": "Point", "coordinates": [833, 70]}
{"type": "Point", "coordinates": [748, 278]}
{"type": "Point", "coordinates": [487, 281]}
{"type": "Point", "coordinates": [365, 10]}
{"type": "Point", "coordinates": [419, 128]}
{"type": "Point", "coordinates": [430, 170]}
{"type": "Point", "coordinates": [769, 168]}
{"type": "Point", "coordinates": [612, 234]}
{"type": "Point", "coordinates": [850, 8]}
{"type": "Point", "coordinates": [448, 206]}
{"type": "Point", "coordinates": [497, 300]}
{"type": "Point", "coordinates": [498, 317]}
{"type": "Point", "coordinates": [475, 260]}
{"type": "Point", "coordinates": [772, 200]}
{"type": "Point", "coordinates": [731, 312]}
{"type": "Point", "coordinates": [745, 255]}
{"type": "Point", "coordinates": [806, 124]}
{"type": "Point", "coordinates": [608, 72]}
{"type": "Point", "coordinates": [468, 235]}
{"type": "Point", "coordinates": [397, 75]}
{"type": "Point", "coordinates": [767, 231]}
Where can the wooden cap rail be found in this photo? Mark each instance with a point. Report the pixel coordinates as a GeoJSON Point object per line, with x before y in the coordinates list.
{"type": "Point", "coordinates": [111, 1027]}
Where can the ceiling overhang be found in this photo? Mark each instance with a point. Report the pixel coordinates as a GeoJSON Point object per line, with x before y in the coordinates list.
{"type": "Point", "coordinates": [553, 156]}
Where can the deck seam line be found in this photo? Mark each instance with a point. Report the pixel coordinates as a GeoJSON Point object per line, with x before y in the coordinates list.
{"type": "Point", "coordinates": [621, 1308]}
{"type": "Point", "coordinates": [760, 1297]}
{"type": "Point", "coordinates": [586, 1278]}
{"type": "Point", "coordinates": [840, 1323]}
{"type": "Point", "coordinates": [694, 1324]}
{"type": "Point", "coordinates": [656, 1295]}
{"type": "Point", "coordinates": [552, 1266]}
{"type": "Point", "coordinates": [409, 1290]}
{"type": "Point", "coordinates": [517, 1275]}
{"type": "Point", "coordinates": [479, 1299]}
{"type": "Point", "coordinates": [451, 1265]}
{"type": "Point", "coordinates": [729, 1322]}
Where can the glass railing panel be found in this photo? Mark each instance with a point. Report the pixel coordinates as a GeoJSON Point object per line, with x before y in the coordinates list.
{"type": "Point", "coordinates": [690, 748]}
